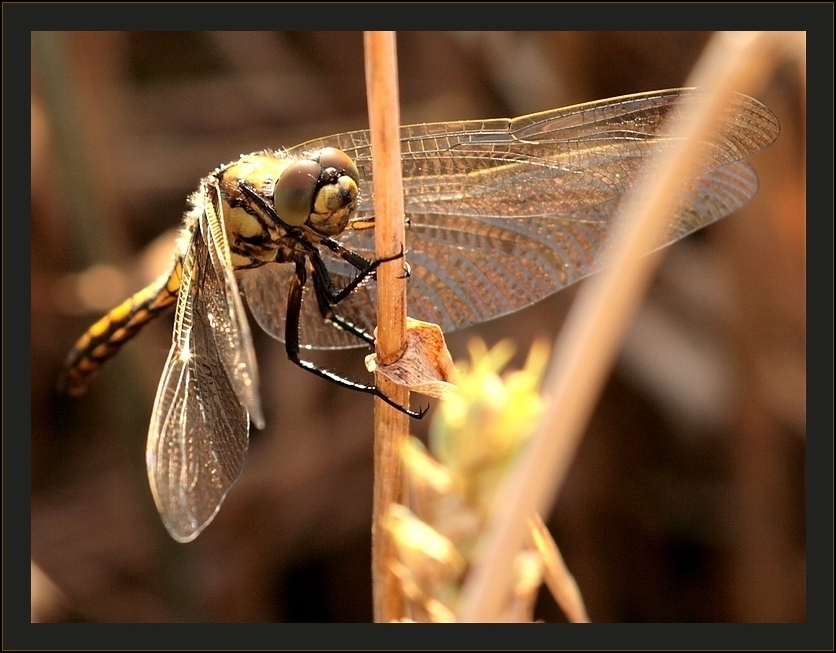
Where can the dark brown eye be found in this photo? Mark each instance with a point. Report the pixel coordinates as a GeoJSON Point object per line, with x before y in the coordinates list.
{"type": "Point", "coordinates": [293, 195]}
{"type": "Point", "coordinates": [331, 157]}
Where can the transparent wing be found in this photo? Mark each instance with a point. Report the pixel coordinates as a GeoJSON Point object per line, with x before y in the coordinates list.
{"type": "Point", "coordinates": [504, 212]}
{"type": "Point", "coordinates": [224, 310]}
{"type": "Point", "coordinates": [199, 432]}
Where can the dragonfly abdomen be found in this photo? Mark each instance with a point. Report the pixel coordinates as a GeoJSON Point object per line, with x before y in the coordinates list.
{"type": "Point", "coordinates": [105, 337]}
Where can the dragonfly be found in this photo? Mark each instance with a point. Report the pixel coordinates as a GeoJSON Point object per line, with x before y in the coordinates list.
{"type": "Point", "coordinates": [499, 214]}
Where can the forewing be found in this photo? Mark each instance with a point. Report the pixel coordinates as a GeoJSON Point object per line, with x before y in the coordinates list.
{"type": "Point", "coordinates": [223, 309]}
{"type": "Point", "coordinates": [199, 430]}
{"type": "Point", "coordinates": [468, 270]}
{"type": "Point", "coordinates": [502, 213]}
{"type": "Point", "coordinates": [550, 162]}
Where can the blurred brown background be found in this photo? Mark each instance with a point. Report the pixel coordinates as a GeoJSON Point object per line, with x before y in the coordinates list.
{"type": "Point", "coordinates": [686, 501]}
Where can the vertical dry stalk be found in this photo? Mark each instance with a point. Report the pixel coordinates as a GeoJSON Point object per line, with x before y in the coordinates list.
{"type": "Point", "coordinates": [588, 342]}
{"type": "Point", "coordinates": [391, 426]}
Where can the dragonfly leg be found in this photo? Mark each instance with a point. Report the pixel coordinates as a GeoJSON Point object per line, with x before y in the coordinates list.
{"type": "Point", "coordinates": [326, 293]}
{"type": "Point", "coordinates": [346, 254]}
{"type": "Point", "coordinates": [358, 261]}
{"type": "Point", "coordinates": [350, 257]}
{"type": "Point", "coordinates": [294, 307]}
{"type": "Point", "coordinates": [365, 268]}
{"type": "Point", "coordinates": [326, 309]}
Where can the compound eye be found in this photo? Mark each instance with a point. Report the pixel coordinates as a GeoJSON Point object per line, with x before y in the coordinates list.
{"type": "Point", "coordinates": [331, 157]}
{"type": "Point", "coordinates": [294, 192]}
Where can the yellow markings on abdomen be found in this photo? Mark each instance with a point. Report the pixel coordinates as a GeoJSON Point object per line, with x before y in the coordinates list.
{"type": "Point", "coordinates": [105, 337]}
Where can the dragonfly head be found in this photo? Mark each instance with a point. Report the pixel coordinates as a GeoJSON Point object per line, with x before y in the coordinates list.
{"type": "Point", "coordinates": [319, 192]}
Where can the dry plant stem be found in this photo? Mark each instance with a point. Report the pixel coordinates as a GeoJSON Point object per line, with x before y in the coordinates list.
{"type": "Point", "coordinates": [391, 426]}
{"type": "Point", "coordinates": [587, 344]}
{"type": "Point", "coordinates": [559, 579]}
